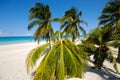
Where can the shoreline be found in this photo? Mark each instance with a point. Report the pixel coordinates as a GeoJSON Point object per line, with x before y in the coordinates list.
{"type": "Point", "coordinates": [22, 43]}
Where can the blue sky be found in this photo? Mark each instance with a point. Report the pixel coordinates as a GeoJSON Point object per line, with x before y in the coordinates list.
{"type": "Point", "coordinates": [14, 14]}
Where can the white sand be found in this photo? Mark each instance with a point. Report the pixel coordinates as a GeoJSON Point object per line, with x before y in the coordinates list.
{"type": "Point", "coordinates": [12, 61]}
{"type": "Point", "coordinates": [12, 64]}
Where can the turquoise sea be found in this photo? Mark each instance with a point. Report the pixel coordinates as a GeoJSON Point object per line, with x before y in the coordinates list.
{"type": "Point", "coordinates": [14, 40]}
{"type": "Point", "coordinates": [19, 39]}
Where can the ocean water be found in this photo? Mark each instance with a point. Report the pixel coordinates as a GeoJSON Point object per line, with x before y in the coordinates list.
{"type": "Point", "coordinates": [20, 39]}
{"type": "Point", "coordinates": [14, 40]}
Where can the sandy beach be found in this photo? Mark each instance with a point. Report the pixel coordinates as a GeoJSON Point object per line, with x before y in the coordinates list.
{"type": "Point", "coordinates": [12, 64]}
{"type": "Point", "coordinates": [12, 61]}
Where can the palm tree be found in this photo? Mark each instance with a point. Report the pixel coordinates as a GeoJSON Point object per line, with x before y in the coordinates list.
{"type": "Point", "coordinates": [58, 35]}
{"type": "Point", "coordinates": [60, 62]}
{"type": "Point", "coordinates": [117, 37]}
{"type": "Point", "coordinates": [70, 24]}
{"type": "Point", "coordinates": [110, 14]}
{"type": "Point", "coordinates": [111, 17]}
{"type": "Point", "coordinates": [100, 37]}
{"type": "Point", "coordinates": [40, 15]}
{"type": "Point", "coordinates": [116, 43]}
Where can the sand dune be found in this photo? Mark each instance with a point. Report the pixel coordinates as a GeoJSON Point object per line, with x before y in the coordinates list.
{"type": "Point", "coordinates": [12, 64]}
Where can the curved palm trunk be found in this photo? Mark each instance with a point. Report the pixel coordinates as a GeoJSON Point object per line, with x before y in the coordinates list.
{"type": "Point", "coordinates": [100, 56]}
{"type": "Point", "coordinates": [49, 41]}
{"type": "Point", "coordinates": [73, 37]}
{"type": "Point", "coordinates": [118, 57]}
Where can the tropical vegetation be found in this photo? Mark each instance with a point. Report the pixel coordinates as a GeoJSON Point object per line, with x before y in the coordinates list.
{"type": "Point", "coordinates": [63, 58]}
{"type": "Point", "coordinates": [100, 40]}
{"type": "Point", "coordinates": [60, 62]}
{"type": "Point", "coordinates": [70, 24]}
{"type": "Point", "coordinates": [41, 15]}
{"type": "Point", "coordinates": [111, 17]}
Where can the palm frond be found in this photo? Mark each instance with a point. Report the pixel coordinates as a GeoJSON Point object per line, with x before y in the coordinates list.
{"type": "Point", "coordinates": [34, 15]}
{"type": "Point", "coordinates": [88, 48]}
{"type": "Point", "coordinates": [110, 7]}
{"type": "Point", "coordinates": [110, 13]}
{"type": "Point", "coordinates": [114, 62]}
{"type": "Point", "coordinates": [67, 31]}
{"type": "Point", "coordinates": [63, 25]}
{"type": "Point", "coordinates": [83, 22]}
{"type": "Point", "coordinates": [104, 16]}
{"type": "Point", "coordinates": [39, 33]}
{"type": "Point", "coordinates": [52, 35]}
{"type": "Point", "coordinates": [58, 34]}
{"type": "Point", "coordinates": [93, 37]}
{"type": "Point", "coordinates": [55, 20]}
{"type": "Point", "coordinates": [33, 23]}
{"type": "Point", "coordinates": [34, 55]}
{"type": "Point", "coordinates": [82, 30]}
{"type": "Point", "coordinates": [62, 61]}
{"type": "Point", "coordinates": [114, 43]}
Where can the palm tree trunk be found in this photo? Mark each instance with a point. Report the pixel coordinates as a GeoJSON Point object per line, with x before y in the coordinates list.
{"type": "Point", "coordinates": [49, 40]}
{"type": "Point", "coordinates": [73, 38]}
{"type": "Point", "coordinates": [50, 43]}
{"type": "Point", "coordinates": [100, 56]}
{"type": "Point", "coordinates": [118, 57]}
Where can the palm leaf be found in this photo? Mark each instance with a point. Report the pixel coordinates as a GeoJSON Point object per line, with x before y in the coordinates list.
{"type": "Point", "coordinates": [33, 23]}
{"type": "Point", "coordinates": [114, 43]}
{"type": "Point", "coordinates": [82, 30]}
{"type": "Point", "coordinates": [39, 32]}
{"type": "Point", "coordinates": [58, 34]}
{"type": "Point", "coordinates": [62, 61]}
{"type": "Point", "coordinates": [63, 25]}
{"type": "Point", "coordinates": [34, 55]}
{"type": "Point", "coordinates": [34, 15]}
{"type": "Point", "coordinates": [114, 62]}
{"type": "Point", "coordinates": [83, 22]}
{"type": "Point", "coordinates": [55, 19]}
{"type": "Point", "coordinates": [52, 34]}
{"type": "Point", "coordinates": [88, 48]}
{"type": "Point", "coordinates": [67, 31]}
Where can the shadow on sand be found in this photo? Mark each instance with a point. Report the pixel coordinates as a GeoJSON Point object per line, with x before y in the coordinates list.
{"type": "Point", "coordinates": [105, 73]}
